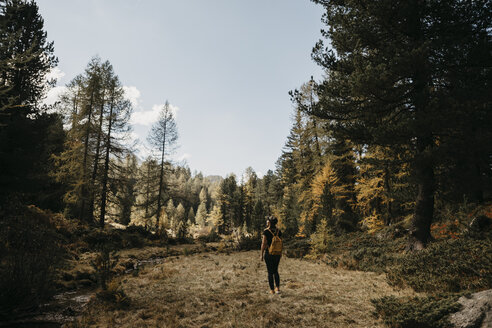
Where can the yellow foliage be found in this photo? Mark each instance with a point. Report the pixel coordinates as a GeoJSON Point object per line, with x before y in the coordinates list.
{"type": "Point", "coordinates": [373, 222]}
{"type": "Point", "coordinates": [323, 185]}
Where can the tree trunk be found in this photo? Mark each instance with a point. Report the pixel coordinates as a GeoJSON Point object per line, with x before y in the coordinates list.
{"type": "Point", "coordinates": [161, 178]}
{"type": "Point", "coordinates": [106, 167]}
{"type": "Point", "coordinates": [387, 189]}
{"type": "Point", "coordinates": [147, 193]}
{"type": "Point", "coordinates": [84, 161]}
{"type": "Point", "coordinates": [96, 163]}
{"type": "Point", "coordinates": [424, 205]}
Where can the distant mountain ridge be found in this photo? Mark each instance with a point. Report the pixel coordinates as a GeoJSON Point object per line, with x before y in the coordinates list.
{"type": "Point", "coordinates": [214, 178]}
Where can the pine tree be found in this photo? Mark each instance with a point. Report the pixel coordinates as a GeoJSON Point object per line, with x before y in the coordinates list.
{"type": "Point", "coordinates": [171, 215]}
{"type": "Point", "coordinates": [201, 215]}
{"type": "Point", "coordinates": [248, 191]}
{"type": "Point", "coordinates": [98, 116]}
{"type": "Point", "coordinates": [117, 119]}
{"type": "Point", "coordinates": [181, 222]}
{"type": "Point", "coordinates": [147, 189]}
{"type": "Point", "coordinates": [393, 72]}
{"type": "Point", "coordinates": [258, 217]}
{"type": "Point", "coordinates": [215, 219]}
{"type": "Point", "coordinates": [163, 136]}
{"type": "Point", "coordinates": [191, 216]}
{"type": "Point", "coordinates": [126, 196]}
{"type": "Point", "coordinates": [28, 135]}
{"type": "Point", "coordinates": [228, 200]}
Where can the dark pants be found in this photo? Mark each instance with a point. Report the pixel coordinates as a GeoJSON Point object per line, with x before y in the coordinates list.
{"type": "Point", "coordinates": [272, 262]}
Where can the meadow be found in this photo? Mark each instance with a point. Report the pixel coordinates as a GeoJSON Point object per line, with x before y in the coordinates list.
{"type": "Point", "coordinates": [230, 289]}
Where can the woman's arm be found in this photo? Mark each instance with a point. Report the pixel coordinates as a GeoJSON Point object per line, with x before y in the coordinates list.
{"type": "Point", "coordinates": [263, 247]}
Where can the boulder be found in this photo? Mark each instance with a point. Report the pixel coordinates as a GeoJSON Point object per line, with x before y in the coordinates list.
{"type": "Point", "coordinates": [476, 311]}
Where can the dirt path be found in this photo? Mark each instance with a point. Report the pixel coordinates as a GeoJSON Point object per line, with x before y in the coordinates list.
{"type": "Point", "coordinates": [220, 290]}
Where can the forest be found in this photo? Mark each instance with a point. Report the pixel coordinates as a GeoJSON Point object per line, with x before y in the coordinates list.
{"type": "Point", "coordinates": [387, 169]}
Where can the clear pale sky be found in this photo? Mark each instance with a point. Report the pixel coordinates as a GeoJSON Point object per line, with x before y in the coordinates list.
{"type": "Point", "coordinates": [226, 65]}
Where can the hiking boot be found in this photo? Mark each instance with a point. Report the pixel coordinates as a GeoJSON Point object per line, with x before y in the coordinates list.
{"type": "Point", "coordinates": [277, 291]}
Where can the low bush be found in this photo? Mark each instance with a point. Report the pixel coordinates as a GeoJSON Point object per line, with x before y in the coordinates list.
{"type": "Point", "coordinates": [114, 295]}
{"type": "Point", "coordinates": [357, 250]}
{"type": "Point", "coordinates": [212, 237]}
{"type": "Point", "coordinates": [97, 238]}
{"type": "Point", "coordinates": [30, 251]}
{"type": "Point", "coordinates": [417, 312]}
{"type": "Point", "coordinates": [103, 265]}
{"type": "Point", "coordinates": [463, 264]}
{"type": "Point", "coordinates": [115, 239]}
{"type": "Point", "coordinates": [141, 231]}
{"type": "Point", "coordinates": [322, 240]}
{"type": "Point", "coordinates": [297, 247]}
{"type": "Point", "coordinates": [248, 243]}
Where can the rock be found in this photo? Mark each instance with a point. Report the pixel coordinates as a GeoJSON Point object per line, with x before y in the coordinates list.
{"type": "Point", "coordinates": [480, 223]}
{"type": "Point", "coordinates": [476, 311]}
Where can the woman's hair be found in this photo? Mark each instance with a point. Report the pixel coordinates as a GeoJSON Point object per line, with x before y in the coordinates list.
{"type": "Point", "coordinates": [273, 221]}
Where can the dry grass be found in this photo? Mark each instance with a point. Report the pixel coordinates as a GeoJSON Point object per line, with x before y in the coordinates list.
{"type": "Point", "coordinates": [220, 290]}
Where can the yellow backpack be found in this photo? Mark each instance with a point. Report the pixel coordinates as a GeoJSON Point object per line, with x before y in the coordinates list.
{"type": "Point", "coordinates": [276, 245]}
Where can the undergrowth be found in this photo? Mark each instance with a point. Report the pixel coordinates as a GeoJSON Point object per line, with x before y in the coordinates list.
{"type": "Point", "coordinates": [458, 261]}
{"type": "Point", "coordinates": [446, 266]}
{"type": "Point", "coordinates": [416, 312]}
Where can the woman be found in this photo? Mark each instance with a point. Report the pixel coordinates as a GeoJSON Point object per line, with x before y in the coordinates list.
{"type": "Point", "coordinates": [272, 261]}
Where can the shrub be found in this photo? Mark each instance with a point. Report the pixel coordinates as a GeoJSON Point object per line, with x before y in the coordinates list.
{"type": "Point", "coordinates": [210, 238]}
{"type": "Point", "coordinates": [105, 261]}
{"type": "Point", "coordinates": [322, 240]}
{"type": "Point", "coordinates": [30, 250]}
{"type": "Point", "coordinates": [132, 240]}
{"type": "Point", "coordinates": [297, 247]}
{"type": "Point", "coordinates": [113, 238]}
{"type": "Point", "coordinates": [453, 265]}
{"type": "Point", "coordinates": [141, 231]}
{"type": "Point", "coordinates": [98, 238]}
{"type": "Point", "coordinates": [248, 243]}
{"type": "Point", "coordinates": [114, 294]}
{"type": "Point", "coordinates": [418, 312]}
{"type": "Point", "coordinates": [357, 250]}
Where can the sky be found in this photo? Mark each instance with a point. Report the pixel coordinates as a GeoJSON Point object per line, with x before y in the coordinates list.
{"type": "Point", "coordinates": [225, 66]}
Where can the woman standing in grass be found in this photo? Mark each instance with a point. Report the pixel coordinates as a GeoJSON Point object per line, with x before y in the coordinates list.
{"type": "Point", "coordinates": [271, 260]}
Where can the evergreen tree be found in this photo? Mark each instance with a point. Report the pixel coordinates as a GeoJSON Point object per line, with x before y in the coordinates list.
{"type": "Point", "coordinates": [28, 134]}
{"type": "Point", "coordinates": [393, 72]}
{"type": "Point", "coordinates": [117, 119]}
{"type": "Point", "coordinates": [229, 204]}
{"type": "Point", "coordinates": [201, 215]}
{"type": "Point", "coordinates": [215, 219]}
{"type": "Point", "coordinates": [163, 136]}
{"type": "Point", "coordinates": [98, 116]}
{"type": "Point", "coordinates": [258, 217]}
{"type": "Point", "coordinates": [147, 191]}
{"type": "Point", "coordinates": [203, 195]}
{"type": "Point", "coordinates": [382, 186]}
{"type": "Point", "coordinates": [249, 189]}
{"type": "Point", "coordinates": [126, 195]}
{"type": "Point", "coordinates": [191, 216]}
{"type": "Point", "coordinates": [171, 215]}
{"type": "Point", "coordinates": [181, 221]}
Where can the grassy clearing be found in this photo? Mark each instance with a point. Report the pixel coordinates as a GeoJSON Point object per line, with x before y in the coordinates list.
{"type": "Point", "coordinates": [221, 290]}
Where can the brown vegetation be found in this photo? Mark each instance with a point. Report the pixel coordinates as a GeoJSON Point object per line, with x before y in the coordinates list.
{"type": "Point", "coordinates": [221, 290]}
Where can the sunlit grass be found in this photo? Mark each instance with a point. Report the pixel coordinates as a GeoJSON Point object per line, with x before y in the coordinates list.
{"type": "Point", "coordinates": [220, 290]}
